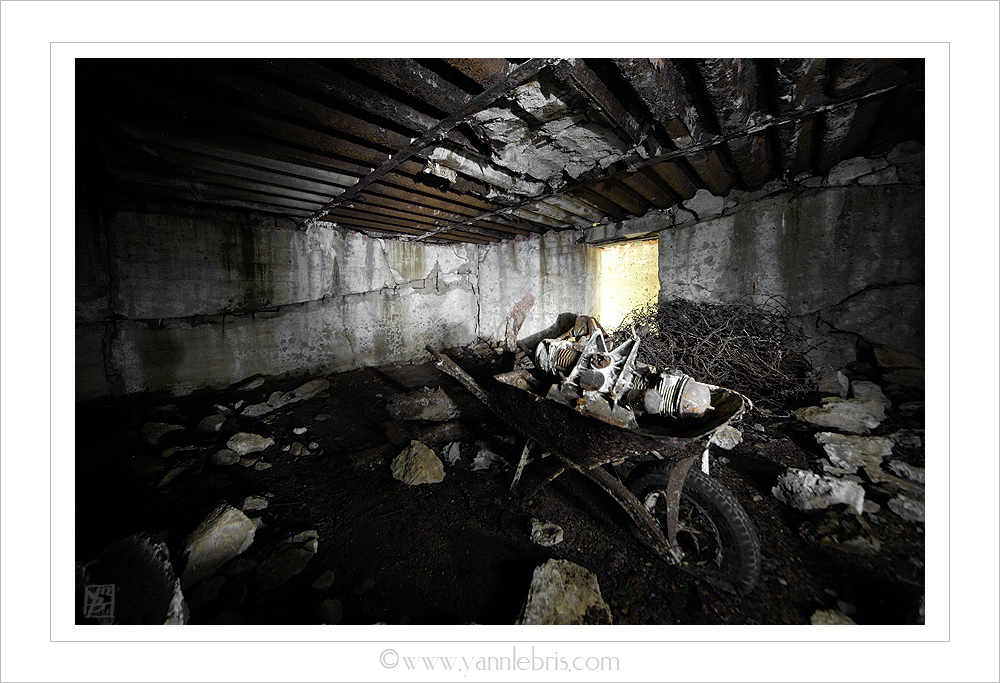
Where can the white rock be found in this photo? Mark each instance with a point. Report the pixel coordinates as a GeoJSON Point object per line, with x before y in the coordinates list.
{"type": "Point", "coordinates": [856, 415]}
{"type": "Point", "coordinates": [727, 437]}
{"type": "Point", "coordinates": [808, 491]}
{"type": "Point", "coordinates": [908, 508]}
{"type": "Point", "coordinates": [865, 389]}
{"type": "Point", "coordinates": [243, 443]}
{"type": "Point", "coordinates": [452, 453]}
{"type": "Point", "coordinates": [417, 465]}
{"type": "Point", "coordinates": [212, 423]}
{"type": "Point", "coordinates": [546, 534]}
{"type": "Point", "coordinates": [911, 472]}
{"type": "Point", "coordinates": [224, 457]}
{"type": "Point", "coordinates": [300, 431]}
{"type": "Point", "coordinates": [488, 460]}
{"type": "Point", "coordinates": [254, 503]}
{"type": "Point", "coordinates": [851, 453]}
{"type": "Point", "coordinates": [564, 593]}
{"type": "Point", "coordinates": [831, 617]}
{"type": "Point", "coordinates": [223, 535]}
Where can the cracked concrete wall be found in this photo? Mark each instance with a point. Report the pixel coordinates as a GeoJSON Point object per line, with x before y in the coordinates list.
{"type": "Point", "coordinates": [180, 303]}
{"type": "Point", "coordinates": [561, 271]}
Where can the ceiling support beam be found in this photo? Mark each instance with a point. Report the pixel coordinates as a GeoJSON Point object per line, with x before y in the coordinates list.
{"type": "Point", "coordinates": [517, 76]}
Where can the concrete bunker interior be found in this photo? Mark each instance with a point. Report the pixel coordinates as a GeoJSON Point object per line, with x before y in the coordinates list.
{"type": "Point", "coordinates": [265, 248]}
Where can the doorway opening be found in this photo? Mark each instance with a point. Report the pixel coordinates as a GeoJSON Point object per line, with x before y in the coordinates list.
{"type": "Point", "coordinates": [629, 278]}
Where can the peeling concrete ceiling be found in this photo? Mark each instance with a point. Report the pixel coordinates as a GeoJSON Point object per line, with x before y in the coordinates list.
{"type": "Point", "coordinates": [475, 150]}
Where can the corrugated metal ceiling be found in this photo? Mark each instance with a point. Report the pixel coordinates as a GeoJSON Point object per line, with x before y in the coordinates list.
{"type": "Point", "coordinates": [475, 150]}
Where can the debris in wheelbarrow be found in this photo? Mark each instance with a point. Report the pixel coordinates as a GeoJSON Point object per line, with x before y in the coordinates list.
{"type": "Point", "coordinates": [593, 407]}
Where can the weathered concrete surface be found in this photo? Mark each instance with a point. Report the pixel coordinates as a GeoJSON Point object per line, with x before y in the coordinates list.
{"type": "Point", "coordinates": [204, 303]}
{"type": "Point", "coordinates": [562, 274]}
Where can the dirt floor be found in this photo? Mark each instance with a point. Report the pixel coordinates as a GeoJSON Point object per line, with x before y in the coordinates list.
{"type": "Point", "coordinates": [459, 551]}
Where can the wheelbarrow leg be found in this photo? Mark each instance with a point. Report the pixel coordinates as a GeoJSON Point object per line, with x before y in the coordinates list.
{"type": "Point", "coordinates": [520, 466]}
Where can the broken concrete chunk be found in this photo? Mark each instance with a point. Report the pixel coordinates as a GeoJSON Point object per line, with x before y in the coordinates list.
{"type": "Point", "coordinates": [865, 389]}
{"type": "Point", "coordinates": [432, 405]}
{"type": "Point", "coordinates": [212, 423]}
{"type": "Point", "coordinates": [562, 592]}
{"type": "Point", "coordinates": [856, 415]}
{"type": "Point", "coordinates": [224, 457]}
{"type": "Point", "coordinates": [546, 534]}
{"type": "Point", "coordinates": [830, 382]}
{"type": "Point", "coordinates": [243, 443]}
{"type": "Point", "coordinates": [287, 559]}
{"type": "Point", "coordinates": [727, 437]}
{"type": "Point", "coordinates": [910, 509]}
{"type": "Point", "coordinates": [417, 465]}
{"type": "Point", "coordinates": [911, 472]}
{"type": "Point", "coordinates": [850, 453]}
{"type": "Point", "coordinates": [254, 503]}
{"type": "Point", "coordinates": [154, 432]}
{"type": "Point", "coordinates": [808, 491]}
{"type": "Point", "coordinates": [299, 431]}
{"type": "Point", "coordinates": [146, 589]}
{"type": "Point", "coordinates": [831, 617]}
{"type": "Point", "coordinates": [225, 533]}
{"type": "Point", "coordinates": [704, 204]}
{"type": "Point", "coordinates": [452, 453]}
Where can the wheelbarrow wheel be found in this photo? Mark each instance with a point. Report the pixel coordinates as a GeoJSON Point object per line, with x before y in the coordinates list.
{"type": "Point", "coordinates": [716, 534]}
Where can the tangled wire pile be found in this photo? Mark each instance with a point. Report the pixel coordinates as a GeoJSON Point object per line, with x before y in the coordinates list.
{"type": "Point", "coordinates": [748, 347]}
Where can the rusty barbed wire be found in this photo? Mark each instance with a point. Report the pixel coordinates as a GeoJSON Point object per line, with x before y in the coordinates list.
{"type": "Point", "coordinates": [748, 346]}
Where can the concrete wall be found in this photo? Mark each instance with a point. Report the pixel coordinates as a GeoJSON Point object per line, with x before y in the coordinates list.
{"type": "Point", "coordinates": [845, 253]}
{"type": "Point", "coordinates": [558, 269]}
{"type": "Point", "coordinates": [184, 302]}
{"type": "Point", "coordinates": [180, 303]}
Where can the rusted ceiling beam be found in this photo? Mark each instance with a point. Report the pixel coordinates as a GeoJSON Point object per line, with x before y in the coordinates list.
{"type": "Point", "coordinates": [585, 189]}
{"type": "Point", "coordinates": [585, 81]}
{"type": "Point", "coordinates": [486, 72]}
{"type": "Point", "coordinates": [415, 79]}
{"type": "Point", "coordinates": [516, 77]}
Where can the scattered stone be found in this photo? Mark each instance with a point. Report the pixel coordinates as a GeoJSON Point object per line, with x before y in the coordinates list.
{"type": "Point", "coordinates": [170, 452]}
{"type": "Point", "coordinates": [254, 503]}
{"type": "Point", "coordinates": [808, 491]}
{"type": "Point", "coordinates": [856, 415]}
{"type": "Point", "coordinates": [851, 169]}
{"type": "Point", "coordinates": [253, 383]}
{"type": "Point", "coordinates": [908, 438]}
{"type": "Point", "coordinates": [842, 529]}
{"type": "Point", "coordinates": [330, 611]}
{"type": "Point", "coordinates": [225, 533]}
{"type": "Point", "coordinates": [322, 417]}
{"type": "Point", "coordinates": [910, 509]}
{"type": "Point", "coordinates": [431, 405]}
{"type": "Point", "coordinates": [830, 382]}
{"type": "Point", "coordinates": [146, 587]}
{"type": "Point", "coordinates": [207, 590]}
{"type": "Point", "coordinates": [488, 460]}
{"type": "Point", "coordinates": [236, 406]}
{"type": "Point", "coordinates": [287, 559]}
{"type": "Point", "coordinates": [727, 437]}
{"type": "Point", "coordinates": [154, 432]}
{"type": "Point", "coordinates": [248, 462]}
{"type": "Point", "coordinates": [299, 431]}
{"type": "Point", "coordinates": [257, 409]}
{"type": "Point", "coordinates": [243, 443]}
{"type": "Point", "coordinates": [865, 389]}
{"type": "Point", "coordinates": [418, 465]}
{"type": "Point", "coordinates": [224, 410]}
{"type": "Point", "coordinates": [212, 423]}
{"type": "Point", "coordinates": [911, 472]}
{"type": "Point", "coordinates": [849, 453]}
{"type": "Point", "coordinates": [224, 457]}
{"type": "Point", "coordinates": [241, 565]}
{"type": "Point", "coordinates": [546, 534]}
{"type": "Point", "coordinates": [309, 390]}
{"type": "Point", "coordinates": [323, 581]}
{"type": "Point", "coordinates": [275, 399]}
{"type": "Point", "coordinates": [295, 450]}
{"type": "Point", "coordinates": [452, 453]}
{"type": "Point", "coordinates": [176, 471]}
{"type": "Point", "coordinates": [562, 592]}
{"type": "Point", "coordinates": [830, 617]}
{"type": "Point", "coordinates": [260, 465]}
{"type": "Point", "coordinates": [898, 484]}
{"type": "Point", "coordinates": [871, 507]}
{"type": "Point", "coordinates": [313, 445]}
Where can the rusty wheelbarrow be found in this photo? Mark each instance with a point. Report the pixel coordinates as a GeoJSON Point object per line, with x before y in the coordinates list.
{"type": "Point", "coordinates": [683, 515]}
